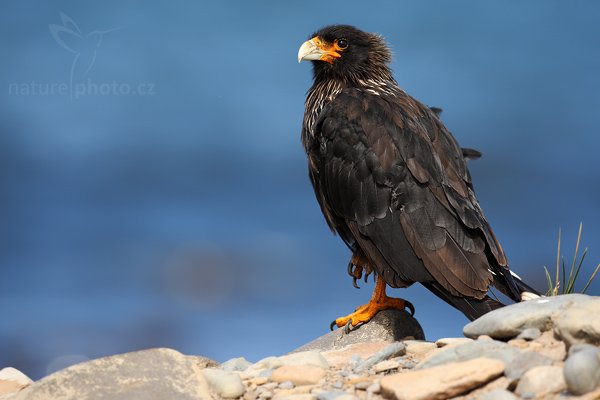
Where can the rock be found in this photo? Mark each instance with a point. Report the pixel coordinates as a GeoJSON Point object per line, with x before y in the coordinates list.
{"type": "Point", "coordinates": [299, 374]}
{"type": "Point", "coordinates": [499, 394]}
{"type": "Point", "coordinates": [353, 354]}
{"type": "Point", "coordinates": [508, 322]}
{"type": "Point", "coordinates": [386, 365]}
{"type": "Point", "coordinates": [474, 349]}
{"type": "Point", "coordinates": [582, 369]}
{"type": "Point", "coordinates": [12, 380]}
{"type": "Point", "coordinates": [203, 362]}
{"type": "Point", "coordinates": [153, 374]}
{"type": "Point", "coordinates": [224, 383]}
{"type": "Point", "coordinates": [419, 348]}
{"type": "Point", "coordinates": [524, 362]}
{"type": "Point", "coordinates": [579, 323]}
{"type": "Point", "coordinates": [545, 345]}
{"type": "Point", "coordinates": [451, 341]}
{"type": "Point", "coordinates": [298, 396]}
{"type": "Point", "coordinates": [388, 325]}
{"type": "Point", "coordinates": [310, 357]}
{"type": "Point", "coordinates": [441, 382]}
{"type": "Point", "coordinates": [392, 350]}
{"type": "Point", "coordinates": [541, 381]}
{"type": "Point", "coordinates": [286, 385]}
{"type": "Point", "coordinates": [530, 334]}
{"type": "Point", "coordinates": [235, 364]}
{"type": "Point", "coordinates": [337, 395]}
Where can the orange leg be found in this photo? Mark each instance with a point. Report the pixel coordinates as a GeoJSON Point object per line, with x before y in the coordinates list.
{"type": "Point", "coordinates": [379, 301]}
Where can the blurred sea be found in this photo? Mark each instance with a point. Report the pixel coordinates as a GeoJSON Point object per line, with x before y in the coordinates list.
{"type": "Point", "coordinates": [153, 189]}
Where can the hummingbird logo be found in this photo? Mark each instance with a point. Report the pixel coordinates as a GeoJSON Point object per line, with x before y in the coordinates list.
{"type": "Point", "coordinates": [84, 47]}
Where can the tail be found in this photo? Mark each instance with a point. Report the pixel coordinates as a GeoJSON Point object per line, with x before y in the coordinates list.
{"type": "Point", "coordinates": [509, 284]}
{"type": "Point", "coordinates": [470, 307]}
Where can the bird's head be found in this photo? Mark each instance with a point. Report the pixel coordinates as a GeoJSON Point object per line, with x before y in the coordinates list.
{"type": "Point", "coordinates": [346, 53]}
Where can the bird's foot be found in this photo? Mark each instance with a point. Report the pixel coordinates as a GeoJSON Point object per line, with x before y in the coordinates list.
{"type": "Point", "coordinates": [363, 314]}
{"type": "Point", "coordinates": [357, 265]}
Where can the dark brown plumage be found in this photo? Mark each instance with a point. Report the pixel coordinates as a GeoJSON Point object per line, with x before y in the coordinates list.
{"type": "Point", "coordinates": [392, 181]}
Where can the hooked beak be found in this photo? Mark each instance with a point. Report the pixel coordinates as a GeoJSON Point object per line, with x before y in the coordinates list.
{"type": "Point", "coordinates": [316, 49]}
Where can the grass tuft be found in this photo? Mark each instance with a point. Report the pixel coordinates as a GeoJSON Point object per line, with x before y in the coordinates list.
{"type": "Point", "coordinates": [566, 285]}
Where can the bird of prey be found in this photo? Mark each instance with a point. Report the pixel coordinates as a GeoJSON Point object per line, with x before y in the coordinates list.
{"type": "Point", "coordinates": [392, 181]}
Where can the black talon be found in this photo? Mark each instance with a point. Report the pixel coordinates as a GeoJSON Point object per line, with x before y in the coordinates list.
{"type": "Point", "coordinates": [350, 265]}
{"type": "Point", "coordinates": [410, 307]}
{"type": "Point", "coordinates": [331, 325]}
{"type": "Point", "coordinates": [354, 283]}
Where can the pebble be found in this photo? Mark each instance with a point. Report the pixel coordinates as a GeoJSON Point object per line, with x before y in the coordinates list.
{"type": "Point", "coordinates": [374, 388]}
{"type": "Point", "coordinates": [226, 384]}
{"type": "Point", "coordinates": [582, 369]}
{"type": "Point", "coordinates": [443, 381]}
{"type": "Point", "coordinates": [299, 396]}
{"type": "Point", "coordinates": [299, 374]}
{"type": "Point", "coordinates": [524, 362]}
{"type": "Point", "coordinates": [499, 394]}
{"type": "Point", "coordinates": [386, 365]}
{"type": "Point", "coordinates": [509, 322]}
{"type": "Point", "coordinates": [235, 364]}
{"type": "Point", "coordinates": [474, 349]}
{"type": "Point", "coordinates": [334, 394]}
{"type": "Point", "coordinates": [14, 375]}
{"type": "Point", "coordinates": [286, 385]}
{"type": "Point", "coordinates": [12, 380]}
{"type": "Point", "coordinates": [530, 334]}
{"type": "Point", "coordinates": [310, 357]}
{"type": "Point", "coordinates": [392, 350]}
{"type": "Point", "coordinates": [451, 341]}
{"type": "Point", "coordinates": [419, 348]}
{"type": "Point", "coordinates": [540, 381]}
{"type": "Point", "coordinates": [574, 325]}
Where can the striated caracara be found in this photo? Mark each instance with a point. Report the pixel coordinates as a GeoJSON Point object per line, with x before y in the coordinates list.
{"type": "Point", "coordinates": [392, 181]}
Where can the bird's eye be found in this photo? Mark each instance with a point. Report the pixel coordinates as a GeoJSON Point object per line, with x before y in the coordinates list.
{"type": "Point", "coordinates": [341, 43]}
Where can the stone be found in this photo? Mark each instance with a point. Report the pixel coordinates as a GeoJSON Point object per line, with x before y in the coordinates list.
{"type": "Point", "coordinates": [499, 394]}
{"type": "Point", "coordinates": [235, 364]}
{"type": "Point", "coordinates": [524, 362]}
{"type": "Point", "coordinates": [388, 325]}
{"type": "Point", "coordinates": [386, 365]}
{"type": "Point", "coordinates": [441, 382]}
{"type": "Point", "coordinates": [310, 357]}
{"type": "Point", "coordinates": [353, 354]}
{"type": "Point", "coordinates": [530, 334]}
{"type": "Point", "coordinates": [579, 323]}
{"type": "Point", "coordinates": [392, 350]}
{"type": "Point", "coordinates": [12, 380]}
{"type": "Point", "coordinates": [286, 385]}
{"type": "Point", "coordinates": [508, 322]}
{"type": "Point", "coordinates": [419, 348]}
{"type": "Point", "coordinates": [297, 396]}
{"type": "Point", "coordinates": [298, 374]}
{"type": "Point", "coordinates": [335, 394]}
{"type": "Point", "coordinates": [582, 369]}
{"type": "Point", "coordinates": [541, 381]}
{"type": "Point", "coordinates": [474, 349]}
{"type": "Point", "coordinates": [153, 374]}
{"type": "Point", "coordinates": [225, 383]}
{"type": "Point", "coordinates": [501, 383]}
{"type": "Point", "coordinates": [451, 341]}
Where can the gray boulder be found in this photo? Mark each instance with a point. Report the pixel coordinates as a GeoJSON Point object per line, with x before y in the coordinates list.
{"type": "Point", "coordinates": [154, 374]}
{"type": "Point", "coordinates": [387, 325]}
{"type": "Point", "coordinates": [508, 322]}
